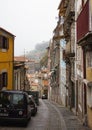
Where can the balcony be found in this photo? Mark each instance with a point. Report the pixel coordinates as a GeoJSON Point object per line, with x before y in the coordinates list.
{"type": "Point", "coordinates": [83, 23]}
{"type": "Point", "coordinates": [67, 56]}
{"type": "Point", "coordinates": [71, 54]}
{"type": "Point", "coordinates": [70, 12]}
{"type": "Point", "coordinates": [63, 5]}
{"type": "Point", "coordinates": [58, 37]}
{"type": "Point", "coordinates": [66, 31]}
{"type": "Point", "coordinates": [58, 32]}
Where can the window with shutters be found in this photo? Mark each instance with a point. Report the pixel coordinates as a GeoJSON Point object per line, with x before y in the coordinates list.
{"type": "Point", "coordinates": [3, 80]}
{"type": "Point", "coordinates": [4, 42]}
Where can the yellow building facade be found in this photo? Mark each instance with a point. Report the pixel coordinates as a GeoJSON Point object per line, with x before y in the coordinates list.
{"type": "Point", "coordinates": [6, 59]}
{"type": "Point", "coordinates": [89, 95]}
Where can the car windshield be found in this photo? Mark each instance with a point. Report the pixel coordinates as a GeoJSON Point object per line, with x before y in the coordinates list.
{"type": "Point", "coordinates": [12, 98]}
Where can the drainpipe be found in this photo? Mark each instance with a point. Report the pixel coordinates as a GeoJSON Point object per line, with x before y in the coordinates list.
{"type": "Point", "coordinates": [76, 85]}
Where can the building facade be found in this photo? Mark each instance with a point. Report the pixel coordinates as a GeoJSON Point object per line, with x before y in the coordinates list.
{"type": "Point", "coordinates": [21, 79]}
{"type": "Point", "coordinates": [6, 59]}
{"type": "Point", "coordinates": [19, 75]}
{"type": "Point", "coordinates": [84, 69]}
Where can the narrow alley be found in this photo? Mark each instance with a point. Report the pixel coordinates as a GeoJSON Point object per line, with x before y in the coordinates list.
{"type": "Point", "coordinates": [50, 116]}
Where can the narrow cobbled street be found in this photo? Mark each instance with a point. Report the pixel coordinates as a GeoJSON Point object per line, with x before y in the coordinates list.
{"type": "Point", "coordinates": [50, 116]}
{"type": "Point", "coordinates": [61, 118]}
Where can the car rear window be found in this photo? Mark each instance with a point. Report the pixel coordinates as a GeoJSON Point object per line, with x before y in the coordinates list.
{"type": "Point", "coordinates": [15, 99]}
{"type": "Point", "coordinates": [5, 98]}
{"type": "Point", "coordinates": [18, 99]}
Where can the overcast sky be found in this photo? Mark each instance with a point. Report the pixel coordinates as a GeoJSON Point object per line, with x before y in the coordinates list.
{"type": "Point", "coordinates": [31, 21]}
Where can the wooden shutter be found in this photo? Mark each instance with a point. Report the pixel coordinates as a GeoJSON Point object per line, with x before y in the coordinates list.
{"type": "Point", "coordinates": [4, 79]}
{"type": "Point", "coordinates": [1, 41]}
{"type": "Point", "coordinates": [5, 42]}
{"type": "Point", "coordinates": [7, 46]}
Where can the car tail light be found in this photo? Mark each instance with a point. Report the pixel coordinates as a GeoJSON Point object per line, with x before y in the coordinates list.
{"type": "Point", "coordinates": [25, 113]}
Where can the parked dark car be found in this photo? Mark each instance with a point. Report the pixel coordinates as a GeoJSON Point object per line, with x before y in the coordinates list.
{"type": "Point", "coordinates": [14, 106]}
{"type": "Point", "coordinates": [33, 105]}
{"type": "Point", "coordinates": [44, 96]}
{"type": "Point", "coordinates": [35, 95]}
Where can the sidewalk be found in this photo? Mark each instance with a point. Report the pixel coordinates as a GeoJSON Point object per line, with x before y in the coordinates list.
{"type": "Point", "coordinates": [69, 120]}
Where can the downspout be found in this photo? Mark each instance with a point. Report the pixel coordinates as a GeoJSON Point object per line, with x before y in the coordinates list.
{"type": "Point", "coordinates": [76, 87]}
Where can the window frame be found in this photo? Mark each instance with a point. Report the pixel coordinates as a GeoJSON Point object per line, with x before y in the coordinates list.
{"type": "Point", "coordinates": [3, 79]}
{"type": "Point", "coordinates": [4, 42]}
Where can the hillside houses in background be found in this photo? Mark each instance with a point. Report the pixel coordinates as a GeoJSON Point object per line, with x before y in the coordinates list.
{"type": "Point", "coordinates": [22, 67]}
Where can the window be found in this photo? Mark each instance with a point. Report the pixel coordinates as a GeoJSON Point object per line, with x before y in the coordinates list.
{"type": "Point", "coordinates": [89, 59]}
{"type": "Point", "coordinates": [89, 97]}
{"type": "Point", "coordinates": [4, 42]}
{"type": "Point", "coordinates": [3, 80]}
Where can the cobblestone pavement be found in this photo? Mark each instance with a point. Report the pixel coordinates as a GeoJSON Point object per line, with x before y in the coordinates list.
{"type": "Point", "coordinates": [68, 120]}
{"type": "Point", "coordinates": [54, 121]}
{"type": "Point", "coordinates": [50, 116]}
{"type": "Point", "coordinates": [46, 118]}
